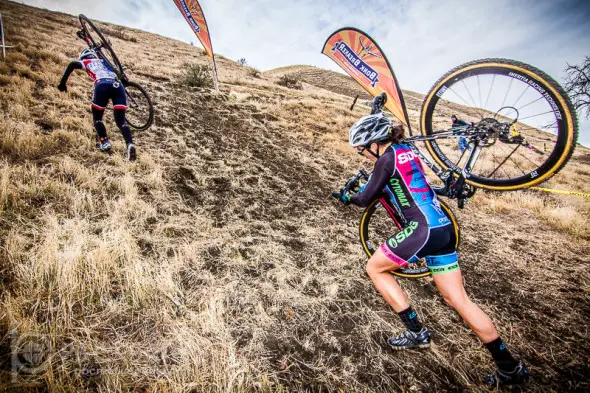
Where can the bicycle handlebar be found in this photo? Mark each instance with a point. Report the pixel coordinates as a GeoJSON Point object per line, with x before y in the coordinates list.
{"type": "Point", "coordinates": [351, 184]}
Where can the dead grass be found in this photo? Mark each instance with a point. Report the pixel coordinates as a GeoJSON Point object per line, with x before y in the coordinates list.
{"type": "Point", "coordinates": [217, 262]}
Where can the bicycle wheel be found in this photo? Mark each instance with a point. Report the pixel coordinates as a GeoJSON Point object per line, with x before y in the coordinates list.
{"type": "Point", "coordinates": [379, 223]}
{"type": "Point", "coordinates": [140, 110]}
{"type": "Point", "coordinates": [519, 120]}
{"type": "Point", "coordinates": [96, 40]}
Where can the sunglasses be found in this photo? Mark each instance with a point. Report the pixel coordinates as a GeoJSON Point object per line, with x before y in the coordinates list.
{"type": "Point", "coordinates": [361, 151]}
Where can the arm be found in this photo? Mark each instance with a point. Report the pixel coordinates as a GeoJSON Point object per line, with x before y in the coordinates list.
{"type": "Point", "coordinates": [74, 65]}
{"type": "Point", "coordinates": [374, 188]}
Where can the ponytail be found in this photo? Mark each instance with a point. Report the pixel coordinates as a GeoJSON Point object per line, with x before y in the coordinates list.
{"type": "Point", "coordinates": [396, 135]}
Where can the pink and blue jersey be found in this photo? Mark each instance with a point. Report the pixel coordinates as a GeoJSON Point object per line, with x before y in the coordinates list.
{"type": "Point", "coordinates": [400, 182]}
{"type": "Point", "coordinates": [400, 177]}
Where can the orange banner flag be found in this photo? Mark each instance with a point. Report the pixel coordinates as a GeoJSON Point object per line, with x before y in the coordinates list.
{"type": "Point", "coordinates": [361, 57]}
{"type": "Point", "coordinates": [193, 13]}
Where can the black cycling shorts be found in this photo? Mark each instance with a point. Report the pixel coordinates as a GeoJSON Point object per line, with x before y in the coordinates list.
{"type": "Point", "coordinates": [109, 89]}
{"type": "Point", "coordinates": [417, 240]}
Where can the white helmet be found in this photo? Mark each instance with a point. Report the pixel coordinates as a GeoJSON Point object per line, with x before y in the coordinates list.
{"type": "Point", "coordinates": [88, 53]}
{"type": "Point", "coordinates": [372, 128]}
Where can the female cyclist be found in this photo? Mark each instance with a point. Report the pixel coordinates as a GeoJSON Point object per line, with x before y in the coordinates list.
{"type": "Point", "coordinates": [399, 177]}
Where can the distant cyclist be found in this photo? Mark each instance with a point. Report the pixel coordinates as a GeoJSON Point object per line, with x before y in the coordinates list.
{"type": "Point", "coordinates": [106, 87]}
{"type": "Point", "coordinates": [456, 122]}
{"type": "Point", "coordinates": [399, 177]}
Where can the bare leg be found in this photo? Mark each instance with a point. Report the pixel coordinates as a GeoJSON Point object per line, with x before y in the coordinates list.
{"type": "Point", "coordinates": [378, 269]}
{"type": "Point", "coordinates": [450, 286]}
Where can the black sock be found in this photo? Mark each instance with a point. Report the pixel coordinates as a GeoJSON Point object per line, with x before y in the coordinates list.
{"type": "Point", "coordinates": [410, 319]}
{"type": "Point", "coordinates": [501, 355]}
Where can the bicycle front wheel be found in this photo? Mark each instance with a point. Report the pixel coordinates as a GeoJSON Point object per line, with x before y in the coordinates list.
{"type": "Point", "coordinates": [97, 40]}
{"type": "Point", "coordinates": [379, 223]}
{"type": "Point", "coordinates": [140, 110]}
{"type": "Point", "coordinates": [532, 125]}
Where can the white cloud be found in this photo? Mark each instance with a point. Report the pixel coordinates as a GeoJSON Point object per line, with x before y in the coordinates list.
{"type": "Point", "coordinates": [422, 38]}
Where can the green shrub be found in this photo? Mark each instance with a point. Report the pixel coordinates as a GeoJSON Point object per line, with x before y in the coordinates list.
{"type": "Point", "coordinates": [197, 75]}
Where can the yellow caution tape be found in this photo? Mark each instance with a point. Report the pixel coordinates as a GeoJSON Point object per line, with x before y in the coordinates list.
{"type": "Point", "coordinates": [561, 192]}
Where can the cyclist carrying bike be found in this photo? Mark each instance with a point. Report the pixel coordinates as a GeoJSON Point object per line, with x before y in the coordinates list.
{"type": "Point", "coordinates": [428, 233]}
{"type": "Point", "coordinates": [107, 87]}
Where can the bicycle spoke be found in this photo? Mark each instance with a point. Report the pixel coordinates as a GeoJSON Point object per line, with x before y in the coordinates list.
{"type": "Point", "coordinates": [507, 90]}
{"type": "Point", "coordinates": [462, 99]}
{"type": "Point", "coordinates": [532, 102]}
{"type": "Point", "coordinates": [479, 91]}
{"type": "Point", "coordinates": [529, 160]}
{"type": "Point", "coordinates": [540, 114]}
{"type": "Point", "coordinates": [506, 159]}
{"type": "Point", "coordinates": [490, 92]}
{"type": "Point", "coordinates": [132, 98]}
{"type": "Point", "coordinates": [470, 96]}
{"type": "Point", "coordinates": [520, 96]}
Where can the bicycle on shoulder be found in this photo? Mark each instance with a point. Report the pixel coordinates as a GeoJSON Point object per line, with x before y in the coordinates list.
{"type": "Point", "coordinates": [496, 146]}
{"type": "Point", "coordinates": [140, 109]}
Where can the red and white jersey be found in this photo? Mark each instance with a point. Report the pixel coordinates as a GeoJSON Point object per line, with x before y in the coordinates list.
{"type": "Point", "coordinates": [98, 69]}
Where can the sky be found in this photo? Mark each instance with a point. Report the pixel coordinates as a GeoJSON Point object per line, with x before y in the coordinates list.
{"type": "Point", "coordinates": [422, 39]}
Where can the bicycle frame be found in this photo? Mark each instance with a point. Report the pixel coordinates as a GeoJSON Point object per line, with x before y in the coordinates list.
{"type": "Point", "coordinates": [443, 175]}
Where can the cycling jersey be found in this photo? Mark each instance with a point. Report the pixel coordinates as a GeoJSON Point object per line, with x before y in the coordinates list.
{"type": "Point", "coordinates": [399, 178]}
{"type": "Point", "coordinates": [98, 69]}
{"type": "Point", "coordinates": [107, 85]}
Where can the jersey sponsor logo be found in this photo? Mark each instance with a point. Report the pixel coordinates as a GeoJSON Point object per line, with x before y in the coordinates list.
{"type": "Point", "coordinates": [436, 206]}
{"type": "Point", "coordinates": [402, 158]}
{"type": "Point", "coordinates": [352, 62]}
{"type": "Point", "coordinates": [403, 234]}
{"type": "Point", "coordinates": [98, 69]}
{"type": "Point", "coordinates": [445, 269]}
{"type": "Point", "coordinates": [399, 192]}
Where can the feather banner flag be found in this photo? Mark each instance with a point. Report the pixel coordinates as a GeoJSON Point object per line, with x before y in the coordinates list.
{"type": "Point", "coordinates": [361, 58]}
{"type": "Point", "coordinates": [193, 13]}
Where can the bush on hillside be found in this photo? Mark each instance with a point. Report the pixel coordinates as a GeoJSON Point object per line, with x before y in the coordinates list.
{"type": "Point", "coordinates": [197, 75]}
{"type": "Point", "coordinates": [254, 72]}
{"type": "Point", "coordinates": [290, 81]}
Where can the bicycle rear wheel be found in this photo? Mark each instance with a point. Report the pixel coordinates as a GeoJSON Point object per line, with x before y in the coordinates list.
{"type": "Point", "coordinates": [378, 224]}
{"type": "Point", "coordinates": [97, 41]}
{"type": "Point", "coordinates": [532, 127]}
{"type": "Point", "coordinates": [140, 110]}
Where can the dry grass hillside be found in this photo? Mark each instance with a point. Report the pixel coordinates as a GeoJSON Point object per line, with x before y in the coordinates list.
{"type": "Point", "coordinates": [217, 261]}
{"type": "Point", "coordinates": [336, 82]}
